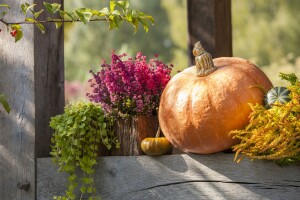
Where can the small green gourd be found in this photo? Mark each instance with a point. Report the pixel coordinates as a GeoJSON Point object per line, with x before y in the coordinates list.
{"type": "Point", "coordinates": [277, 94]}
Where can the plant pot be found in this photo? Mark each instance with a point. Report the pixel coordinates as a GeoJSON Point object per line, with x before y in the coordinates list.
{"type": "Point", "coordinates": [130, 133]}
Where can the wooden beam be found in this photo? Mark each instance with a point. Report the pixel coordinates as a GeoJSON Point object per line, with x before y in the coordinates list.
{"type": "Point", "coordinates": [210, 22]}
{"type": "Point", "coordinates": [32, 79]}
{"type": "Point", "coordinates": [49, 81]}
{"type": "Point", "coordinates": [17, 132]}
{"type": "Point", "coordinates": [186, 176]}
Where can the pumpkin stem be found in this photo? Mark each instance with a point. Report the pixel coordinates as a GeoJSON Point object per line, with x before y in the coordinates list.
{"type": "Point", "coordinates": [203, 60]}
{"type": "Point", "coordinates": [158, 132]}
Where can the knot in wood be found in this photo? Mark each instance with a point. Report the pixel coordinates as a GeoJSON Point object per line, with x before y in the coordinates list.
{"type": "Point", "coordinates": [23, 185]}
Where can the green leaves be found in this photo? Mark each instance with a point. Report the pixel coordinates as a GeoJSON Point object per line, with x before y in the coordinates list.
{"type": "Point", "coordinates": [292, 78]}
{"type": "Point", "coordinates": [78, 133]}
{"type": "Point", "coordinates": [41, 27]}
{"type": "Point", "coordinates": [37, 14]}
{"type": "Point", "coordinates": [112, 5]}
{"type": "Point", "coordinates": [37, 23]}
{"type": "Point", "coordinates": [27, 7]}
{"type": "Point", "coordinates": [6, 8]}
{"type": "Point", "coordinates": [5, 5]}
{"type": "Point", "coordinates": [84, 15]}
{"type": "Point", "coordinates": [115, 15]}
{"type": "Point", "coordinates": [18, 30]}
{"type": "Point", "coordinates": [52, 8]}
{"type": "Point", "coordinates": [133, 17]}
{"type": "Point", "coordinates": [103, 12]}
{"type": "Point", "coordinates": [4, 103]}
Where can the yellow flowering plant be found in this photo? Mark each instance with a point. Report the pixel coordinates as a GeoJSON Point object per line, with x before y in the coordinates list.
{"type": "Point", "coordinates": [272, 134]}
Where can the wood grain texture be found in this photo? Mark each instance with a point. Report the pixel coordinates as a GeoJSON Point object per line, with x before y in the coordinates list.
{"type": "Point", "coordinates": [130, 133]}
{"type": "Point", "coordinates": [210, 22]}
{"type": "Point", "coordinates": [49, 80]}
{"type": "Point", "coordinates": [185, 176]}
{"type": "Point", "coordinates": [17, 132]}
{"type": "Point", "coordinates": [223, 28]}
{"type": "Point", "coordinates": [32, 79]}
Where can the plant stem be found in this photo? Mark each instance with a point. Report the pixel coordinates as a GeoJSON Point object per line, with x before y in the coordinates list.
{"type": "Point", "coordinates": [49, 21]}
{"type": "Point", "coordinates": [158, 132]}
{"type": "Point", "coordinates": [5, 23]}
{"type": "Point", "coordinates": [203, 60]}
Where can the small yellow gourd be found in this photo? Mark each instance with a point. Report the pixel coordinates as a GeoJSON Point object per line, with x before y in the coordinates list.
{"type": "Point", "coordinates": [156, 146]}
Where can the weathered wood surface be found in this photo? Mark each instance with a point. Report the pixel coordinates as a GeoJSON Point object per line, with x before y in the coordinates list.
{"type": "Point", "coordinates": [131, 132]}
{"type": "Point", "coordinates": [32, 79]}
{"type": "Point", "coordinates": [184, 176]}
{"type": "Point", "coordinates": [17, 133]}
{"type": "Point", "coordinates": [210, 22]}
{"type": "Point", "coordinates": [49, 80]}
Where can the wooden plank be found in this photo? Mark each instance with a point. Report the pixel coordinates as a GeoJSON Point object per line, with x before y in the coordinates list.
{"type": "Point", "coordinates": [210, 22]}
{"type": "Point", "coordinates": [17, 161]}
{"type": "Point", "coordinates": [32, 79]}
{"type": "Point", "coordinates": [49, 81]}
{"type": "Point", "coordinates": [185, 176]}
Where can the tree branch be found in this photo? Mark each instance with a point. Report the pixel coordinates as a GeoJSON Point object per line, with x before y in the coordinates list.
{"type": "Point", "coordinates": [48, 21]}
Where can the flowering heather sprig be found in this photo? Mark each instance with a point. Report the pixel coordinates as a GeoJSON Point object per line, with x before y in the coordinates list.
{"type": "Point", "coordinates": [129, 86]}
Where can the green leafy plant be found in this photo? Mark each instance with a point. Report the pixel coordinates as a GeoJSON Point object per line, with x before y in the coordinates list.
{"type": "Point", "coordinates": [273, 134]}
{"type": "Point", "coordinates": [78, 133]}
{"type": "Point", "coordinates": [117, 13]}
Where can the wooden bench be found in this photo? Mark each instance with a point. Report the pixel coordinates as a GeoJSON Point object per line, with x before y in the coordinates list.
{"type": "Point", "coordinates": [181, 176]}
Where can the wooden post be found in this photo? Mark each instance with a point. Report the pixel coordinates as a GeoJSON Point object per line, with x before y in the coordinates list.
{"type": "Point", "coordinates": [210, 22]}
{"type": "Point", "coordinates": [32, 79]}
{"type": "Point", "coordinates": [49, 81]}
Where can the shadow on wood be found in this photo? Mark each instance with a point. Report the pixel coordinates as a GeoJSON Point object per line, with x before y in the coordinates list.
{"type": "Point", "coordinates": [179, 177]}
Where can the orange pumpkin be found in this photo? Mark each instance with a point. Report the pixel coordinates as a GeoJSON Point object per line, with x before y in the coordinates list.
{"type": "Point", "coordinates": [196, 113]}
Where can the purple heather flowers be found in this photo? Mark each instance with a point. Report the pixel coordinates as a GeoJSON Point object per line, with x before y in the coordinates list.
{"type": "Point", "coordinates": [129, 87]}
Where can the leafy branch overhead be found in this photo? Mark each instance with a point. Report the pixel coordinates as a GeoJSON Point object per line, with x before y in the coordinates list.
{"type": "Point", "coordinates": [115, 15]}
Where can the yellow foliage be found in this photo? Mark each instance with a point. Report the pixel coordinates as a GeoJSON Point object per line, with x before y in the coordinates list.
{"type": "Point", "coordinates": [272, 134]}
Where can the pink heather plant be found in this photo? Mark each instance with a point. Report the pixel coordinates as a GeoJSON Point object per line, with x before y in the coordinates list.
{"type": "Point", "coordinates": [128, 87]}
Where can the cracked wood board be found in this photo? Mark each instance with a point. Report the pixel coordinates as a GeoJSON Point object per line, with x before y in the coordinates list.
{"type": "Point", "coordinates": [184, 176]}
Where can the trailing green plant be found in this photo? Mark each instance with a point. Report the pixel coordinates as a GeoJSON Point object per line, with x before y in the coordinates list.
{"type": "Point", "coordinates": [78, 133]}
{"type": "Point", "coordinates": [117, 13]}
{"type": "Point", "coordinates": [273, 134]}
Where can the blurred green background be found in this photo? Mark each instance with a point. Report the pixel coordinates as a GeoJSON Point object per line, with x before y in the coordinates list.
{"type": "Point", "coordinates": [264, 32]}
